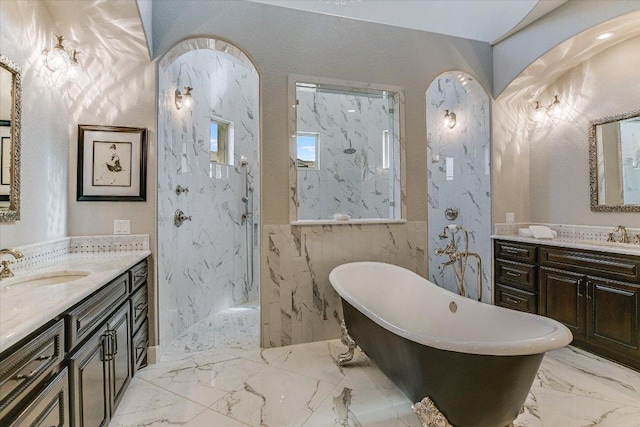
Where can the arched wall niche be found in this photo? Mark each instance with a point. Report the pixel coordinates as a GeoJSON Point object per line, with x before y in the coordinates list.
{"type": "Point", "coordinates": [459, 176]}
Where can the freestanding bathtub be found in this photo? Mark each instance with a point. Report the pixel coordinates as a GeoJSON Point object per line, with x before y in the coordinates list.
{"type": "Point", "coordinates": [475, 361]}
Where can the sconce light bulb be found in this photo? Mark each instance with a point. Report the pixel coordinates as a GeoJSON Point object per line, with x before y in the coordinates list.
{"type": "Point", "coordinates": [450, 119]}
{"type": "Point", "coordinates": [554, 108]}
{"type": "Point", "coordinates": [187, 99]}
{"type": "Point", "coordinates": [184, 100]}
{"type": "Point", "coordinates": [73, 69]}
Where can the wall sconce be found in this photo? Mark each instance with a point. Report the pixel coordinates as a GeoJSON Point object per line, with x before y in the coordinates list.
{"type": "Point", "coordinates": [450, 119]}
{"type": "Point", "coordinates": [184, 100]}
{"type": "Point", "coordinates": [552, 109]}
{"type": "Point", "coordinates": [62, 61]}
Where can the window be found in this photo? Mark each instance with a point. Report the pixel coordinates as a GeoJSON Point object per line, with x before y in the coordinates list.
{"type": "Point", "coordinates": [307, 150]}
{"type": "Point", "coordinates": [220, 141]}
{"type": "Point", "coordinates": [386, 150]}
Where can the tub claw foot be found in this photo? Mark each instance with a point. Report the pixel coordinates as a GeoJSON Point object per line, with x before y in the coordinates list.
{"type": "Point", "coordinates": [346, 339]}
{"type": "Point", "coordinates": [429, 414]}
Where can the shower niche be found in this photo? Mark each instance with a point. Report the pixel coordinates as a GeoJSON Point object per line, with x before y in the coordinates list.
{"type": "Point", "coordinates": [345, 151]}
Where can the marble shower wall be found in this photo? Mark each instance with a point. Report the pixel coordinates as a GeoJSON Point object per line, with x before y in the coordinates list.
{"type": "Point", "coordinates": [468, 144]}
{"type": "Point", "coordinates": [356, 183]}
{"type": "Point", "coordinates": [203, 264]}
{"type": "Point", "coordinates": [297, 301]}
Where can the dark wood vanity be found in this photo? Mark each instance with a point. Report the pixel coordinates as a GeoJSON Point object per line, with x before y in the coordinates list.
{"type": "Point", "coordinates": [595, 294]}
{"type": "Point", "coordinates": [74, 370]}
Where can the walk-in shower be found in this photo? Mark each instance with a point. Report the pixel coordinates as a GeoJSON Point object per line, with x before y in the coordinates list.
{"type": "Point", "coordinates": [208, 168]}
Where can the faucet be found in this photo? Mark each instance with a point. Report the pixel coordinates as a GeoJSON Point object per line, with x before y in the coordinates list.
{"type": "Point", "coordinates": [6, 270]}
{"type": "Point", "coordinates": [623, 230]}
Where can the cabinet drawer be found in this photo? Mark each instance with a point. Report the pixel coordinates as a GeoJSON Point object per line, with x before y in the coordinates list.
{"type": "Point", "coordinates": [140, 346]}
{"type": "Point", "coordinates": [515, 298]}
{"type": "Point", "coordinates": [607, 265]}
{"type": "Point", "coordinates": [35, 360]}
{"type": "Point", "coordinates": [48, 408]}
{"type": "Point", "coordinates": [139, 275]}
{"type": "Point", "coordinates": [516, 274]}
{"type": "Point", "coordinates": [82, 319]}
{"type": "Point", "coordinates": [515, 251]}
{"type": "Point", "coordinates": [139, 308]}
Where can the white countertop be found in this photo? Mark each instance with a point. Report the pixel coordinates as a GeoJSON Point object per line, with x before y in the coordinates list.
{"type": "Point", "coordinates": [592, 245]}
{"type": "Point", "coordinates": [23, 311]}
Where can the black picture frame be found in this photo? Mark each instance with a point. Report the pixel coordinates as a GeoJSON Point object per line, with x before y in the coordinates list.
{"type": "Point", "coordinates": [112, 164]}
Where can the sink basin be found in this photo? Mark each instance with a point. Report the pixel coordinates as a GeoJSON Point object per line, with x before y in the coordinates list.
{"type": "Point", "coordinates": [44, 279]}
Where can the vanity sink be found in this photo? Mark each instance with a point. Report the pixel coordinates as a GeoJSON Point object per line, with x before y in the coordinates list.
{"type": "Point", "coordinates": [44, 279]}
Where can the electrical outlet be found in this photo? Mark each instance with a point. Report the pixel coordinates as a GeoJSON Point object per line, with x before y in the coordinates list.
{"type": "Point", "coordinates": [121, 226]}
{"type": "Point", "coordinates": [511, 218]}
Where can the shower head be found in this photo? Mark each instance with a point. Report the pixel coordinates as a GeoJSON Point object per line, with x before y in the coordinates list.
{"type": "Point", "coordinates": [349, 150]}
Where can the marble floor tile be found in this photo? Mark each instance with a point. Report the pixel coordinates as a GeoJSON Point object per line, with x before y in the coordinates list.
{"type": "Point", "coordinates": [236, 327]}
{"type": "Point", "coordinates": [364, 406]}
{"type": "Point", "coordinates": [274, 397]}
{"type": "Point", "coordinates": [301, 385]}
{"type": "Point", "coordinates": [145, 404]}
{"type": "Point", "coordinates": [545, 407]}
{"type": "Point", "coordinates": [210, 418]}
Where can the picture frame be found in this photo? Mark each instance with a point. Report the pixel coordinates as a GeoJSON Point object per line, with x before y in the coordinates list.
{"type": "Point", "coordinates": [5, 160]}
{"type": "Point", "coordinates": [112, 164]}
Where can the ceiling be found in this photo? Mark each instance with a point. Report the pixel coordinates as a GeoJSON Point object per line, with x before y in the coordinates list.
{"type": "Point", "coordinates": [483, 20]}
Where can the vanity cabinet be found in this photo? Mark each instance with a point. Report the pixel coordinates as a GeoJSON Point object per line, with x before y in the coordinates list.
{"type": "Point", "coordinates": [101, 370]}
{"type": "Point", "coordinates": [595, 294]}
{"type": "Point", "coordinates": [516, 276]}
{"type": "Point", "coordinates": [105, 338]}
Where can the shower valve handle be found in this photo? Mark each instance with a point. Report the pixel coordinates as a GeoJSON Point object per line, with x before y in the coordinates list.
{"type": "Point", "coordinates": [180, 217]}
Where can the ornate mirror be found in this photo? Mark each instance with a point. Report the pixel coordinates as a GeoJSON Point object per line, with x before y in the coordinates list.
{"type": "Point", "coordinates": [614, 163]}
{"type": "Point", "coordinates": [10, 96]}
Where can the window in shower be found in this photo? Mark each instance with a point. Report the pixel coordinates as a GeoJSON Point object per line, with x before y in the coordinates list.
{"type": "Point", "coordinates": [221, 141]}
{"type": "Point", "coordinates": [307, 150]}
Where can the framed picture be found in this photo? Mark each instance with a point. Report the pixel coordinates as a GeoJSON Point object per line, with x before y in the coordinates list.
{"type": "Point", "coordinates": [112, 163]}
{"type": "Point", "coordinates": [5, 161]}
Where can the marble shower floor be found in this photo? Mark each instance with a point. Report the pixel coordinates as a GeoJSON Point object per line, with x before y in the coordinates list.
{"type": "Point", "coordinates": [301, 385]}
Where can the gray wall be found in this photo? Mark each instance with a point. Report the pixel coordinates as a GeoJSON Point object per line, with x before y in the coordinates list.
{"type": "Point", "coordinates": [606, 84]}
{"type": "Point", "coordinates": [283, 41]}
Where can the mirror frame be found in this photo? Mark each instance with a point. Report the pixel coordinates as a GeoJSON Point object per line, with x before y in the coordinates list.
{"type": "Point", "coordinates": [593, 164]}
{"type": "Point", "coordinates": [293, 127]}
{"type": "Point", "coordinates": [13, 213]}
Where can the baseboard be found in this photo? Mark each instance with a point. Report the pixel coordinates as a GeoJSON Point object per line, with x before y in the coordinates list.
{"type": "Point", "coordinates": [153, 354]}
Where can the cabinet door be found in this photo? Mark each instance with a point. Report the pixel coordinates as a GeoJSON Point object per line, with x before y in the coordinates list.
{"type": "Point", "coordinates": [50, 407]}
{"type": "Point", "coordinates": [562, 299]}
{"type": "Point", "coordinates": [89, 379]}
{"type": "Point", "coordinates": [612, 309]}
{"type": "Point", "coordinates": [120, 332]}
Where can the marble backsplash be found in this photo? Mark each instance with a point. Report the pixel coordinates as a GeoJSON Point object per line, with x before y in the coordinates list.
{"type": "Point", "coordinates": [41, 255]}
{"type": "Point", "coordinates": [463, 182]}
{"type": "Point", "coordinates": [298, 304]}
{"type": "Point", "coordinates": [205, 265]}
{"type": "Point", "coordinates": [566, 231]}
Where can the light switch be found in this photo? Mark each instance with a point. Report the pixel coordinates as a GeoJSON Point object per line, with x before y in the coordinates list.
{"type": "Point", "coordinates": [121, 226]}
{"type": "Point", "coordinates": [511, 218]}
{"type": "Point", "coordinates": [449, 168]}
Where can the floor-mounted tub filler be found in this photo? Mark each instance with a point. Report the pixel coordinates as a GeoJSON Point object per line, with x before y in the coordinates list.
{"type": "Point", "coordinates": [465, 363]}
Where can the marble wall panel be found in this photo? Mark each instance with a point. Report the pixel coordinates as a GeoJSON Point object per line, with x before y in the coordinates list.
{"type": "Point", "coordinates": [298, 302]}
{"type": "Point", "coordinates": [356, 183]}
{"type": "Point", "coordinates": [205, 264]}
{"type": "Point", "coordinates": [469, 190]}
